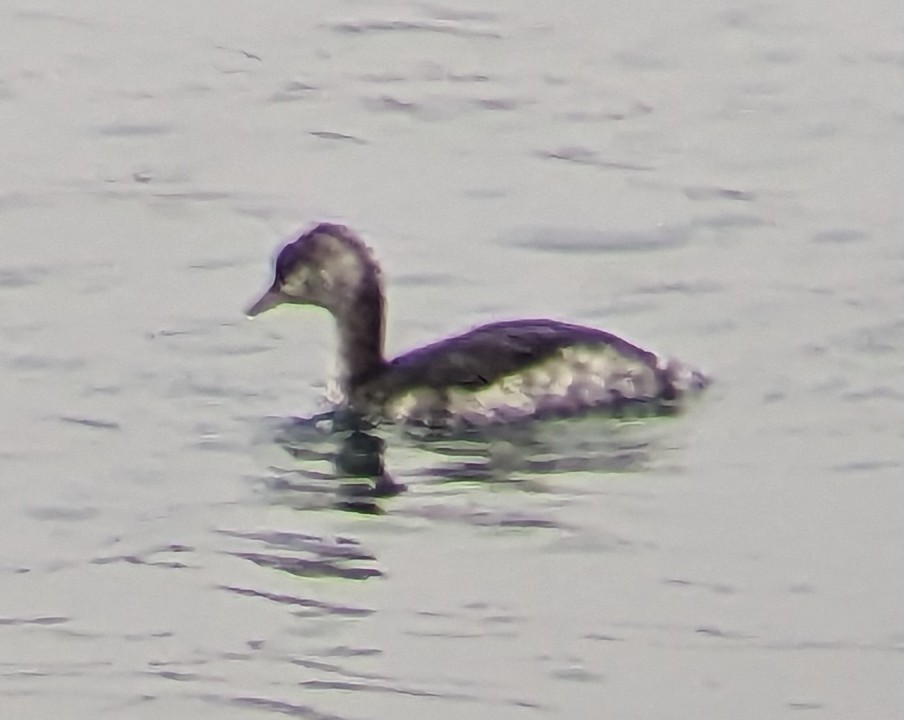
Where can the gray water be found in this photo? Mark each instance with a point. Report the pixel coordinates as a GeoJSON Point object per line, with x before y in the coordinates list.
{"type": "Point", "coordinates": [719, 181]}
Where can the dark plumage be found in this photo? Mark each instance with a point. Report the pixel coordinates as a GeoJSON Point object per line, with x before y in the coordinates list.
{"type": "Point", "coordinates": [498, 372]}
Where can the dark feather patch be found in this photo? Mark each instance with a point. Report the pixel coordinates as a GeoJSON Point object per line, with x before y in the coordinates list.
{"type": "Point", "coordinates": [487, 353]}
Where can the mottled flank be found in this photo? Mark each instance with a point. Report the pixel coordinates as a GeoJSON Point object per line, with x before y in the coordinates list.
{"type": "Point", "coordinates": [570, 381]}
{"type": "Point", "coordinates": [501, 372]}
{"type": "Point", "coordinates": [509, 371]}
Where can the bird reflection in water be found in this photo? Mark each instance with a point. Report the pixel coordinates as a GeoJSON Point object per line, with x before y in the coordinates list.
{"type": "Point", "coordinates": [356, 457]}
{"type": "Point", "coordinates": [345, 461]}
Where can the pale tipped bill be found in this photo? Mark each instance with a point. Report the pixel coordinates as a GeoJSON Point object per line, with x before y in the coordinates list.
{"type": "Point", "coordinates": [267, 301]}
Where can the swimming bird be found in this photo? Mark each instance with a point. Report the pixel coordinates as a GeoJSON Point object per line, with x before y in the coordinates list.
{"type": "Point", "coordinates": [501, 372]}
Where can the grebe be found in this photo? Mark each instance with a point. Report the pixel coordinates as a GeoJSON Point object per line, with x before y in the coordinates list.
{"type": "Point", "coordinates": [500, 372]}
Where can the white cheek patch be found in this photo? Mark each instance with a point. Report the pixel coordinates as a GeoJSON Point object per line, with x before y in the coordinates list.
{"type": "Point", "coordinates": [296, 283]}
{"type": "Point", "coordinates": [344, 270]}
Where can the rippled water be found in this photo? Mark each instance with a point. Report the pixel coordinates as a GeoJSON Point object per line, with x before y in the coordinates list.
{"type": "Point", "coordinates": [718, 181]}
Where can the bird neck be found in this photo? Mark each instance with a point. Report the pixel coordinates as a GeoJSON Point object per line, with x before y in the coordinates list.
{"type": "Point", "coordinates": [361, 328]}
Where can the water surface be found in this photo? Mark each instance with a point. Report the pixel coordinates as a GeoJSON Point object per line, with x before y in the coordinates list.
{"type": "Point", "coordinates": [718, 182]}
